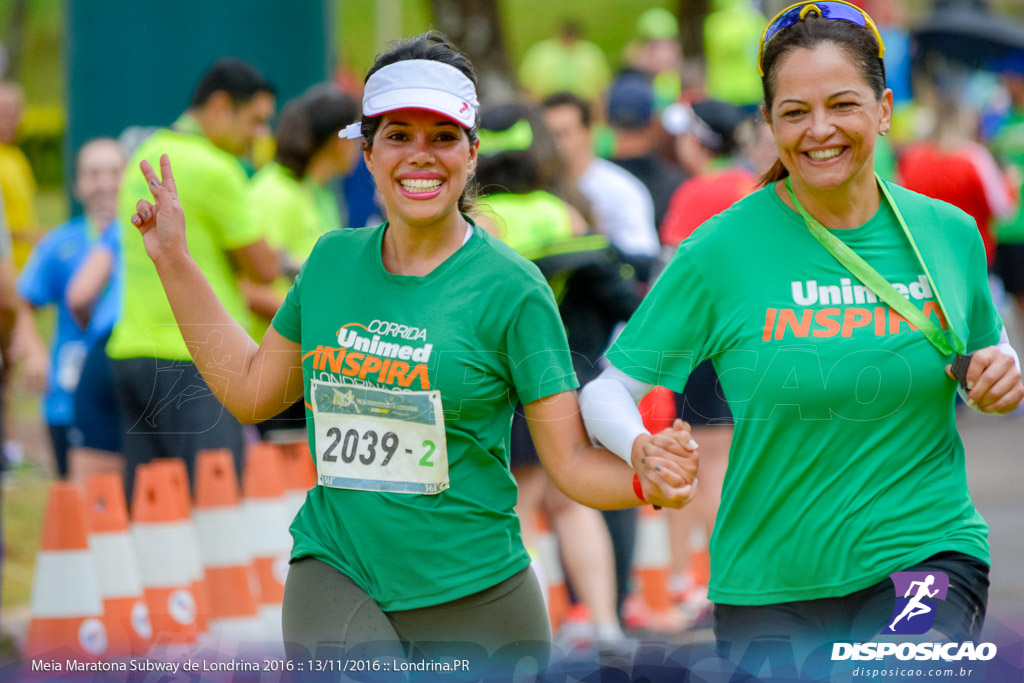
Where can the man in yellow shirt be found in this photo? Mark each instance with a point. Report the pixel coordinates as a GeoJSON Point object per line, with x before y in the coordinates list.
{"type": "Point", "coordinates": [166, 408]}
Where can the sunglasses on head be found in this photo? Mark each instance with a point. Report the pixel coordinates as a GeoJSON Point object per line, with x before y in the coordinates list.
{"type": "Point", "coordinates": [828, 9]}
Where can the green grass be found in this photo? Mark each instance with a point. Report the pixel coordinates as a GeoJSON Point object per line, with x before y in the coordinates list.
{"type": "Point", "coordinates": [24, 502]}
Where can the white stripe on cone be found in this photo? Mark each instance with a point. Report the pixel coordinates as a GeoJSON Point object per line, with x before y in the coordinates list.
{"type": "Point", "coordinates": [652, 542]}
{"type": "Point", "coordinates": [547, 549]}
{"type": "Point", "coordinates": [65, 585]}
{"type": "Point", "coordinates": [294, 499]}
{"type": "Point", "coordinates": [118, 569]}
{"type": "Point", "coordinates": [161, 554]}
{"type": "Point", "coordinates": [216, 527]}
{"type": "Point", "coordinates": [268, 523]}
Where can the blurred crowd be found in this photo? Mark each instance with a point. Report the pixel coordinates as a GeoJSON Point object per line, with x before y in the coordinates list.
{"type": "Point", "coordinates": [600, 168]}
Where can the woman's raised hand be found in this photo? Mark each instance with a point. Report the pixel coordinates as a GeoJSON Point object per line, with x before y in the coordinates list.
{"type": "Point", "coordinates": [162, 223]}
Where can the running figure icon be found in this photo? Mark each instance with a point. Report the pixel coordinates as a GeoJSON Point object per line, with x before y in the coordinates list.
{"type": "Point", "coordinates": [916, 607]}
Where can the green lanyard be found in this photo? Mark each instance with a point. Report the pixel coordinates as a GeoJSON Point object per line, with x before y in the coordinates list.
{"type": "Point", "coordinates": [878, 284]}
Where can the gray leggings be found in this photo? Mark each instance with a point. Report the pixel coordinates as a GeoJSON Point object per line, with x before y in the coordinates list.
{"type": "Point", "coordinates": [326, 615]}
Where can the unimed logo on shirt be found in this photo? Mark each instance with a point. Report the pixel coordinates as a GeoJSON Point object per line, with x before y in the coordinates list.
{"type": "Point", "coordinates": [916, 596]}
{"type": "Point", "coordinates": [828, 309]}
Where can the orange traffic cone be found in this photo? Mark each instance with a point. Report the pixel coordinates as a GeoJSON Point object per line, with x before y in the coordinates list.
{"type": "Point", "coordinates": [162, 558]}
{"type": "Point", "coordinates": [652, 569]}
{"type": "Point", "coordinates": [700, 559]}
{"type": "Point", "coordinates": [177, 475]}
{"type": "Point", "coordinates": [299, 476]}
{"type": "Point", "coordinates": [224, 551]}
{"type": "Point", "coordinates": [67, 613]}
{"type": "Point", "coordinates": [271, 544]}
{"type": "Point", "coordinates": [125, 614]}
{"type": "Point", "coordinates": [550, 561]}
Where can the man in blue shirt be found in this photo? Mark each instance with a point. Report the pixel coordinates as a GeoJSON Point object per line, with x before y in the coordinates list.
{"type": "Point", "coordinates": [44, 282]}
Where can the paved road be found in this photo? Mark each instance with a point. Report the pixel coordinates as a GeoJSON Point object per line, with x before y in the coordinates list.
{"type": "Point", "coordinates": [995, 471]}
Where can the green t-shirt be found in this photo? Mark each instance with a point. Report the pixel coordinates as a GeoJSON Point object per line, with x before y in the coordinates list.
{"type": "Point", "coordinates": [1008, 147]}
{"type": "Point", "coordinates": [846, 464]}
{"type": "Point", "coordinates": [291, 215]}
{"type": "Point", "coordinates": [529, 222]}
{"type": "Point", "coordinates": [483, 330]}
{"type": "Point", "coordinates": [212, 188]}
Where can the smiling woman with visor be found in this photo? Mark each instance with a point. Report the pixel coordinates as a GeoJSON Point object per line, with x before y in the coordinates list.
{"type": "Point", "coordinates": [834, 307]}
{"type": "Point", "coordinates": [411, 344]}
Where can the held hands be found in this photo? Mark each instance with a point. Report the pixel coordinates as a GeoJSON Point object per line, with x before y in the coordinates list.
{"type": "Point", "coordinates": [162, 224]}
{"type": "Point", "coordinates": [993, 381]}
{"type": "Point", "coordinates": [666, 463]}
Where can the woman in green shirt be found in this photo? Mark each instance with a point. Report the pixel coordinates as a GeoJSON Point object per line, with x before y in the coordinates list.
{"type": "Point", "coordinates": [411, 344]}
{"type": "Point", "coordinates": [846, 466]}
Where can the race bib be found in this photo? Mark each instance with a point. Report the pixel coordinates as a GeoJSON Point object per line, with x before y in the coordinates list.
{"type": "Point", "coordinates": [372, 439]}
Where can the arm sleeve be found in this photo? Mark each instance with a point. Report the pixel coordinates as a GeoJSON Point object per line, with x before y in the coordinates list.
{"type": "Point", "coordinates": [538, 352]}
{"type": "Point", "coordinates": [1004, 346]}
{"type": "Point", "coordinates": [670, 333]}
{"type": "Point", "coordinates": [609, 406]}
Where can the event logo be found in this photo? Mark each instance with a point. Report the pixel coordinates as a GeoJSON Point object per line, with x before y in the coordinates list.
{"type": "Point", "coordinates": [916, 593]}
{"type": "Point", "coordinates": [843, 309]}
{"type": "Point", "coordinates": [375, 354]}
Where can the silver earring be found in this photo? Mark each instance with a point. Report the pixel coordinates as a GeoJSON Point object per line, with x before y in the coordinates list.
{"type": "Point", "coordinates": [884, 132]}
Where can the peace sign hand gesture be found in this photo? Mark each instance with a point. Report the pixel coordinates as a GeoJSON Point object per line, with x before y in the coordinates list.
{"type": "Point", "coordinates": [161, 224]}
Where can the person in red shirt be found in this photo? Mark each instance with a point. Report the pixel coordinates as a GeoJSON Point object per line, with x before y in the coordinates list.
{"type": "Point", "coordinates": [705, 143]}
{"type": "Point", "coordinates": [952, 167]}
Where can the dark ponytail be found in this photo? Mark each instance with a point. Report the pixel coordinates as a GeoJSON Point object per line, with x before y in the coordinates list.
{"type": "Point", "coordinates": [777, 172]}
{"type": "Point", "coordinates": [309, 122]}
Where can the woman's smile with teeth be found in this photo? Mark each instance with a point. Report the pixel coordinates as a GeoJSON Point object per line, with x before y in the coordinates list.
{"type": "Point", "coordinates": [825, 154]}
{"type": "Point", "coordinates": [420, 184]}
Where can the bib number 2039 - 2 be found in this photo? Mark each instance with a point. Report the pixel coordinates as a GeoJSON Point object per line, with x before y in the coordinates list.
{"type": "Point", "coordinates": [389, 444]}
{"type": "Point", "coordinates": [373, 439]}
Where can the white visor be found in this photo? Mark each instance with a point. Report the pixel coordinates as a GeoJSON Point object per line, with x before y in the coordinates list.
{"type": "Point", "coordinates": [419, 84]}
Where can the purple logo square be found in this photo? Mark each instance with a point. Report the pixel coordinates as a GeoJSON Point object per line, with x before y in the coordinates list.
{"type": "Point", "coordinates": [917, 594]}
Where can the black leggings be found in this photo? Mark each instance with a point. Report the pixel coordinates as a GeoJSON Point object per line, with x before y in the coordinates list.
{"type": "Point", "coordinates": [325, 612]}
